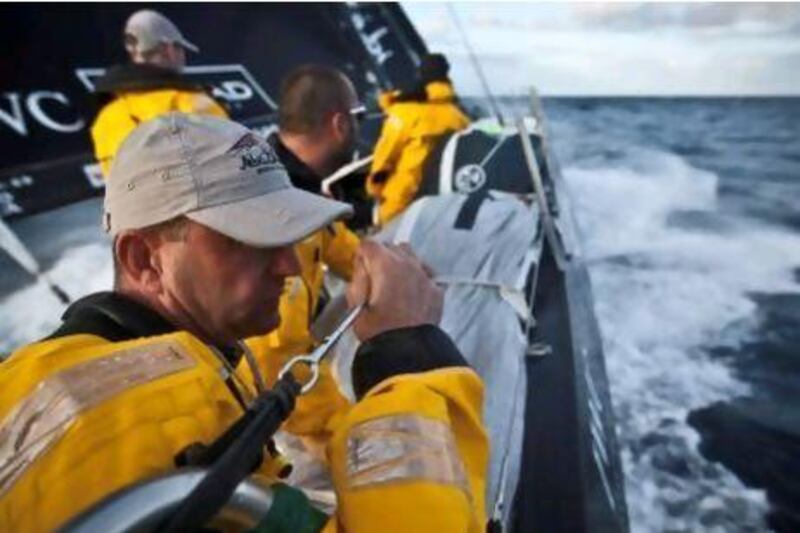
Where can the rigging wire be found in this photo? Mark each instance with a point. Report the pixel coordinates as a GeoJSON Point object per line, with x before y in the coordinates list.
{"type": "Point", "coordinates": [476, 64]}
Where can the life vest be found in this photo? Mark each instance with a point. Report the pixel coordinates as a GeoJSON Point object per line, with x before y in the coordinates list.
{"type": "Point", "coordinates": [82, 416]}
{"type": "Point", "coordinates": [409, 134]}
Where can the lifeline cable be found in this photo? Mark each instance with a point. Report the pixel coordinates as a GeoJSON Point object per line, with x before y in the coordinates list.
{"type": "Point", "coordinates": [476, 64]}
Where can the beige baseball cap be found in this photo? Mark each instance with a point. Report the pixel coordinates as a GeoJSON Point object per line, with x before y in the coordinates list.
{"type": "Point", "coordinates": [149, 28]}
{"type": "Point", "coordinates": [217, 173]}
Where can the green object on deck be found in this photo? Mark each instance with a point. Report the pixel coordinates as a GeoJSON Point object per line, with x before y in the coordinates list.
{"type": "Point", "coordinates": [291, 512]}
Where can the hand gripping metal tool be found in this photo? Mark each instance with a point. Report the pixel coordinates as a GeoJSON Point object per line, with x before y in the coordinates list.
{"type": "Point", "coordinates": [314, 359]}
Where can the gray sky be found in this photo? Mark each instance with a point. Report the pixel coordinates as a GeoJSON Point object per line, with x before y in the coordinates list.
{"type": "Point", "coordinates": [620, 48]}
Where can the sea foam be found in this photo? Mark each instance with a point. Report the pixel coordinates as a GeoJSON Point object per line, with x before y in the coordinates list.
{"type": "Point", "coordinates": [671, 277]}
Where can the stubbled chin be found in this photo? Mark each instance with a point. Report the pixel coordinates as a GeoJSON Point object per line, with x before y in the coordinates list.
{"type": "Point", "coordinates": [264, 322]}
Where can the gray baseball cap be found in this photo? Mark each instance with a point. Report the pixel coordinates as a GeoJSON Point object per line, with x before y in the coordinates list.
{"type": "Point", "coordinates": [217, 173]}
{"type": "Point", "coordinates": [150, 28]}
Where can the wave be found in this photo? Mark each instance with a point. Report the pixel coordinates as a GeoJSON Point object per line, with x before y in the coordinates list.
{"type": "Point", "coordinates": [34, 312]}
{"type": "Point", "coordinates": [667, 289]}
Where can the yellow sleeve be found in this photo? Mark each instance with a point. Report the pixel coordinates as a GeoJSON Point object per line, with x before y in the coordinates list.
{"type": "Point", "coordinates": [117, 119]}
{"type": "Point", "coordinates": [387, 151]}
{"type": "Point", "coordinates": [386, 99]}
{"type": "Point", "coordinates": [339, 249]}
{"type": "Point", "coordinates": [200, 103]}
{"type": "Point", "coordinates": [112, 125]}
{"type": "Point", "coordinates": [412, 455]}
{"type": "Point", "coordinates": [314, 412]}
{"type": "Point", "coordinates": [397, 194]}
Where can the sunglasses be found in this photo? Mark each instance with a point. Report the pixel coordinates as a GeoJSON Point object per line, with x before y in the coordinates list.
{"type": "Point", "coordinates": [359, 112]}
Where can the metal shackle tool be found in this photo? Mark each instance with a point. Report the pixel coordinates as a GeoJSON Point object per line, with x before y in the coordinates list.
{"type": "Point", "coordinates": [314, 359]}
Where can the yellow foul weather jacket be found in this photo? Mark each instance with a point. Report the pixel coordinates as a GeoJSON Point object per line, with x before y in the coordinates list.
{"type": "Point", "coordinates": [83, 416]}
{"type": "Point", "coordinates": [409, 134]}
{"type": "Point", "coordinates": [334, 248]}
{"type": "Point", "coordinates": [139, 93]}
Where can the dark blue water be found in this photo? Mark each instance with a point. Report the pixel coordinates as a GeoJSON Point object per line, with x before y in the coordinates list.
{"type": "Point", "coordinates": [690, 213]}
{"type": "Point", "coordinates": [690, 223]}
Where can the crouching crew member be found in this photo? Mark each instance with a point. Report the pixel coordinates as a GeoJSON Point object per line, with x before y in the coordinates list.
{"type": "Point", "coordinates": [415, 122]}
{"type": "Point", "coordinates": [204, 221]}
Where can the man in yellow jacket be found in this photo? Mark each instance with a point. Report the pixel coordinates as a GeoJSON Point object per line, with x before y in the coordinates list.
{"type": "Point", "coordinates": [415, 121]}
{"type": "Point", "coordinates": [204, 220]}
{"type": "Point", "coordinates": [317, 135]}
{"type": "Point", "coordinates": [151, 84]}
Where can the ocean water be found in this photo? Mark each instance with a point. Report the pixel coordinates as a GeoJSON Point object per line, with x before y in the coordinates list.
{"type": "Point", "coordinates": [691, 224]}
{"type": "Point", "coordinates": [689, 215]}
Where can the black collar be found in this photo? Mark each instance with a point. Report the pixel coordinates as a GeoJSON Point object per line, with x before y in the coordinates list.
{"type": "Point", "coordinates": [142, 77]}
{"type": "Point", "coordinates": [300, 174]}
{"type": "Point", "coordinates": [116, 318]}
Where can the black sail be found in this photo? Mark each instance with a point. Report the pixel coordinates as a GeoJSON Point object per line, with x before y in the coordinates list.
{"type": "Point", "coordinates": [53, 55]}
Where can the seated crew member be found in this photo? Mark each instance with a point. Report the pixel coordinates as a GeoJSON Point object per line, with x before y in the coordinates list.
{"type": "Point", "coordinates": [415, 121]}
{"type": "Point", "coordinates": [151, 84]}
{"type": "Point", "coordinates": [317, 135]}
{"type": "Point", "coordinates": [204, 219]}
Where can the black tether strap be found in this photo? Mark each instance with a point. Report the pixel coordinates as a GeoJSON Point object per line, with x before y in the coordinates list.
{"type": "Point", "coordinates": [266, 415]}
{"type": "Point", "coordinates": [469, 210]}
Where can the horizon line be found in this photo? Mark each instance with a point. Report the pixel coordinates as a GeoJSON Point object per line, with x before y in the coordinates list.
{"type": "Point", "coordinates": [622, 95]}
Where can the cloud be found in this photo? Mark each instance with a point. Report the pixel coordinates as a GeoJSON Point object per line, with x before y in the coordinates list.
{"type": "Point", "coordinates": [627, 16]}
{"type": "Point", "coordinates": [716, 16]}
{"type": "Point", "coordinates": [621, 48]}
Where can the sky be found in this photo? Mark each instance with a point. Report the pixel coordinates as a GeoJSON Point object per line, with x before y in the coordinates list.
{"type": "Point", "coordinates": [619, 48]}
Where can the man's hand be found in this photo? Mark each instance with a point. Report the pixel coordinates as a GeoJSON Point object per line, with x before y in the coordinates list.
{"type": "Point", "coordinates": [397, 288]}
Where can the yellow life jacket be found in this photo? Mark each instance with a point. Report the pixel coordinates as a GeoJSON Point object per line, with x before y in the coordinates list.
{"type": "Point", "coordinates": [408, 136]}
{"type": "Point", "coordinates": [130, 108]}
{"type": "Point", "coordinates": [82, 417]}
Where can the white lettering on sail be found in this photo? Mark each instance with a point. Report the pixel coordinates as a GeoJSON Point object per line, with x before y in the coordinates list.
{"type": "Point", "coordinates": [8, 205]}
{"type": "Point", "coordinates": [14, 119]}
{"type": "Point", "coordinates": [35, 107]}
{"type": "Point", "coordinates": [13, 115]}
{"type": "Point", "coordinates": [372, 41]}
{"type": "Point", "coordinates": [94, 175]}
{"type": "Point", "coordinates": [232, 83]}
{"type": "Point", "coordinates": [233, 91]}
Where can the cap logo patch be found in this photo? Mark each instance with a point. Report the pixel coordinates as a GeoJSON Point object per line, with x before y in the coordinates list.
{"type": "Point", "coordinates": [254, 153]}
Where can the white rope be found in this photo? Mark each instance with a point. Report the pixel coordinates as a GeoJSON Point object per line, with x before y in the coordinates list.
{"type": "Point", "coordinates": [494, 149]}
{"type": "Point", "coordinates": [513, 296]}
{"type": "Point", "coordinates": [343, 172]}
{"type": "Point", "coordinates": [447, 162]}
{"type": "Point", "coordinates": [258, 379]}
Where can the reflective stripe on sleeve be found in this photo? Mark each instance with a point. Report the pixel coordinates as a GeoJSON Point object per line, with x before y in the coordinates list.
{"type": "Point", "coordinates": [45, 415]}
{"type": "Point", "coordinates": [403, 448]}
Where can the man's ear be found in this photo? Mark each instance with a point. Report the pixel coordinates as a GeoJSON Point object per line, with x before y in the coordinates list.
{"type": "Point", "coordinates": [340, 123]}
{"type": "Point", "coordinates": [138, 261]}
